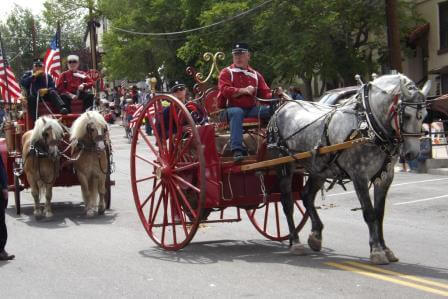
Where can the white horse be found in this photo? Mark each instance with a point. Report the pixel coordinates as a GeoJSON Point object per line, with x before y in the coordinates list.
{"type": "Point", "coordinates": [90, 141]}
{"type": "Point", "coordinates": [41, 155]}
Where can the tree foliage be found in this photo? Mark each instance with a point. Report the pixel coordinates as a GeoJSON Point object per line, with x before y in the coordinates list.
{"type": "Point", "coordinates": [328, 40]}
{"type": "Point", "coordinates": [17, 33]}
{"type": "Point", "coordinates": [290, 40]}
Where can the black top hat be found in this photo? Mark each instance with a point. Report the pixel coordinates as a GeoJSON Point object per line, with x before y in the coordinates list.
{"type": "Point", "coordinates": [176, 85]}
{"type": "Point", "coordinates": [240, 47]}
{"type": "Point", "coordinates": [37, 62]}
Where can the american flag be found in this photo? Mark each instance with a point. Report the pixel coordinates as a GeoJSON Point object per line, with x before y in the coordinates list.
{"type": "Point", "coordinates": [52, 60]}
{"type": "Point", "coordinates": [136, 114]}
{"type": "Point", "coordinates": [8, 83]}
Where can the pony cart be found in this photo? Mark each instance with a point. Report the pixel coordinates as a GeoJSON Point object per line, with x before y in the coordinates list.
{"type": "Point", "coordinates": [14, 160]}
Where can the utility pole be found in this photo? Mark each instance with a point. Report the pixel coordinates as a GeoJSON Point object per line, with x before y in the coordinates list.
{"type": "Point", "coordinates": [393, 35]}
{"type": "Point", "coordinates": [33, 32]}
{"type": "Point", "coordinates": [92, 33]}
{"type": "Point", "coordinates": [58, 32]}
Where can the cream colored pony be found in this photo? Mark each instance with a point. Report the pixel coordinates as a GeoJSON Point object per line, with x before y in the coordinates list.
{"type": "Point", "coordinates": [41, 160]}
{"type": "Point", "coordinates": [90, 141]}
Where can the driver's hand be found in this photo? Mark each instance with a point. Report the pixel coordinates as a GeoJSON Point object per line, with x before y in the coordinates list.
{"type": "Point", "coordinates": [38, 73]}
{"type": "Point", "coordinates": [43, 91]}
{"type": "Point", "coordinates": [279, 91]}
{"type": "Point", "coordinates": [250, 90]}
{"type": "Point", "coordinates": [81, 87]}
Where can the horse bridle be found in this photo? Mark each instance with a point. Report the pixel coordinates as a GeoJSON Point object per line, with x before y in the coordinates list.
{"type": "Point", "coordinates": [395, 113]}
{"type": "Point", "coordinates": [95, 140]}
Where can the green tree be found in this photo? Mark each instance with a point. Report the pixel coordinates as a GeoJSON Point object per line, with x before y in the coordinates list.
{"type": "Point", "coordinates": [17, 32]}
{"type": "Point", "coordinates": [323, 40]}
{"type": "Point", "coordinates": [72, 16]}
{"type": "Point", "coordinates": [133, 56]}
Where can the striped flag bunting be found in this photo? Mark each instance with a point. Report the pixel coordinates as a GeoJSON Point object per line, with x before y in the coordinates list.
{"type": "Point", "coordinates": [8, 83]}
{"type": "Point", "coordinates": [52, 60]}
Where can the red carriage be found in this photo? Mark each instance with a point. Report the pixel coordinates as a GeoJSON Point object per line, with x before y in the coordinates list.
{"type": "Point", "coordinates": [11, 149]}
{"type": "Point", "coordinates": [184, 176]}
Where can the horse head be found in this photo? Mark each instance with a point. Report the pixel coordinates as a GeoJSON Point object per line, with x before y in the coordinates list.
{"type": "Point", "coordinates": [47, 133]}
{"type": "Point", "coordinates": [403, 110]}
{"type": "Point", "coordinates": [92, 128]}
{"type": "Point", "coordinates": [412, 112]}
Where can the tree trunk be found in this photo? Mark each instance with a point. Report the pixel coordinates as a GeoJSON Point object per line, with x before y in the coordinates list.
{"type": "Point", "coordinates": [393, 35]}
{"type": "Point", "coordinates": [308, 92]}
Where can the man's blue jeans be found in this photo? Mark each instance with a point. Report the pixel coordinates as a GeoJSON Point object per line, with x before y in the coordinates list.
{"type": "Point", "coordinates": [235, 116]}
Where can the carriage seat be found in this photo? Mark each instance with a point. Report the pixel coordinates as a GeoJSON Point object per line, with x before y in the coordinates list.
{"type": "Point", "coordinates": [211, 106]}
{"type": "Point", "coordinates": [76, 105]}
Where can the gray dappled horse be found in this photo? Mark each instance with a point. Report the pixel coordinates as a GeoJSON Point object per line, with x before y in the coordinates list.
{"type": "Point", "coordinates": [389, 111]}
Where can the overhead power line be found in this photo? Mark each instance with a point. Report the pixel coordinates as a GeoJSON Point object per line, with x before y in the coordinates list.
{"type": "Point", "coordinates": [195, 29]}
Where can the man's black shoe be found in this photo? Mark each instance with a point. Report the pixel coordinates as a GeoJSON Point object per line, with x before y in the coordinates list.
{"type": "Point", "coordinates": [64, 111]}
{"type": "Point", "coordinates": [238, 156]}
{"type": "Point", "coordinates": [4, 256]}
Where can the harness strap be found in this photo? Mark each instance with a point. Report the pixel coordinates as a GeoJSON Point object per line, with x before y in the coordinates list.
{"type": "Point", "coordinates": [379, 131]}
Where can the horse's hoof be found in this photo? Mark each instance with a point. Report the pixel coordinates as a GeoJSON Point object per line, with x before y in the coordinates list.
{"type": "Point", "coordinates": [37, 213]}
{"type": "Point", "coordinates": [48, 214]}
{"type": "Point", "coordinates": [390, 255]}
{"type": "Point", "coordinates": [378, 258]}
{"type": "Point", "coordinates": [314, 243]}
{"type": "Point", "coordinates": [90, 213]}
{"type": "Point", "coordinates": [101, 211]}
{"type": "Point", "coordinates": [297, 249]}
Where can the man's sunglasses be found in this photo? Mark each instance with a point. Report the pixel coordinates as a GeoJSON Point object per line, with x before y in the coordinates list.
{"type": "Point", "coordinates": [179, 89]}
{"type": "Point", "coordinates": [73, 61]}
{"type": "Point", "coordinates": [38, 64]}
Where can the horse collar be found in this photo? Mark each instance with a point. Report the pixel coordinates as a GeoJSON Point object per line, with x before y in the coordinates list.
{"type": "Point", "coordinates": [378, 130]}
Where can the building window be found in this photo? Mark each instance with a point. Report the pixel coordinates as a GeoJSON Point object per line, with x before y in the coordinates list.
{"type": "Point", "coordinates": [443, 25]}
{"type": "Point", "coordinates": [444, 80]}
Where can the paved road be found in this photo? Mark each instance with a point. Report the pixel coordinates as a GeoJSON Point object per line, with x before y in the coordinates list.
{"type": "Point", "coordinates": [71, 256]}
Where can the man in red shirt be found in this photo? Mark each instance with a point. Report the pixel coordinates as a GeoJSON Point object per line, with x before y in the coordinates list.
{"type": "Point", "coordinates": [75, 84]}
{"type": "Point", "coordinates": [238, 85]}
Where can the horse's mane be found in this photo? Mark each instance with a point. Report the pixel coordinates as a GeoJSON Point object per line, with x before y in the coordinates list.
{"type": "Point", "coordinates": [42, 124]}
{"type": "Point", "coordinates": [79, 126]}
{"type": "Point", "coordinates": [392, 83]}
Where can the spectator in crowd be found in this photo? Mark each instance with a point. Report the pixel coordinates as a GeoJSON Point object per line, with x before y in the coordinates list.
{"type": "Point", "coordinates": [296, 93]}
{"type": "Point", "coordinates": [4, 256]}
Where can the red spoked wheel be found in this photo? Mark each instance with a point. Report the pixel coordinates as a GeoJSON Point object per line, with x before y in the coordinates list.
{"type": "Point", "coordinates": [270, 221]}
{"type": "Point", "coordinates": [168, 172]}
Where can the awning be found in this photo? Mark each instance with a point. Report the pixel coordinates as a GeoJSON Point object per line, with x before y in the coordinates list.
{"type": "Point", "coordinates": [439, 104]}
{"type": "Point", "coordinates": [439, 71]}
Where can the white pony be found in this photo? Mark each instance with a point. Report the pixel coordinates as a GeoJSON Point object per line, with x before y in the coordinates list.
{"type": "Point", "coordinates": [41, 165]}
{"type": "Point", "coordinates": [90, 144]}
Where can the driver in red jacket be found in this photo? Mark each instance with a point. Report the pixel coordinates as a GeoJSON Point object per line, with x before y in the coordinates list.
{"type": "Point", "coordinates": [74, 84]}
{"type": "Point", "coordinates": [238, 85]}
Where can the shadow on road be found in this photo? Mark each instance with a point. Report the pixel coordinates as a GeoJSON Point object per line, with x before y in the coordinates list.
{"type": "Point", "coordinates": [263, 251]}
{"type": "Point", "coordinates": [65, 214]}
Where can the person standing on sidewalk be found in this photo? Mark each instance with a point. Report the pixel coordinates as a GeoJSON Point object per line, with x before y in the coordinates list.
{"type": "Point", "coordinates": [4, 256]}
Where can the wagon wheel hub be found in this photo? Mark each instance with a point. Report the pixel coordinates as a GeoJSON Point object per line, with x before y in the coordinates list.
{"type": "Point", "coordinates": [164, 171]}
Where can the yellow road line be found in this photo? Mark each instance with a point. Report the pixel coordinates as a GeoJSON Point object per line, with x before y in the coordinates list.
{"type": "Point", "coordinates": [387, 278]}
{"type": "Point", "coordinates": [406, 276]}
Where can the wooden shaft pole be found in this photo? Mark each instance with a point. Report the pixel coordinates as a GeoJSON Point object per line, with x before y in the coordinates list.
{"type": "Point", "coordinates": [304, 155]}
